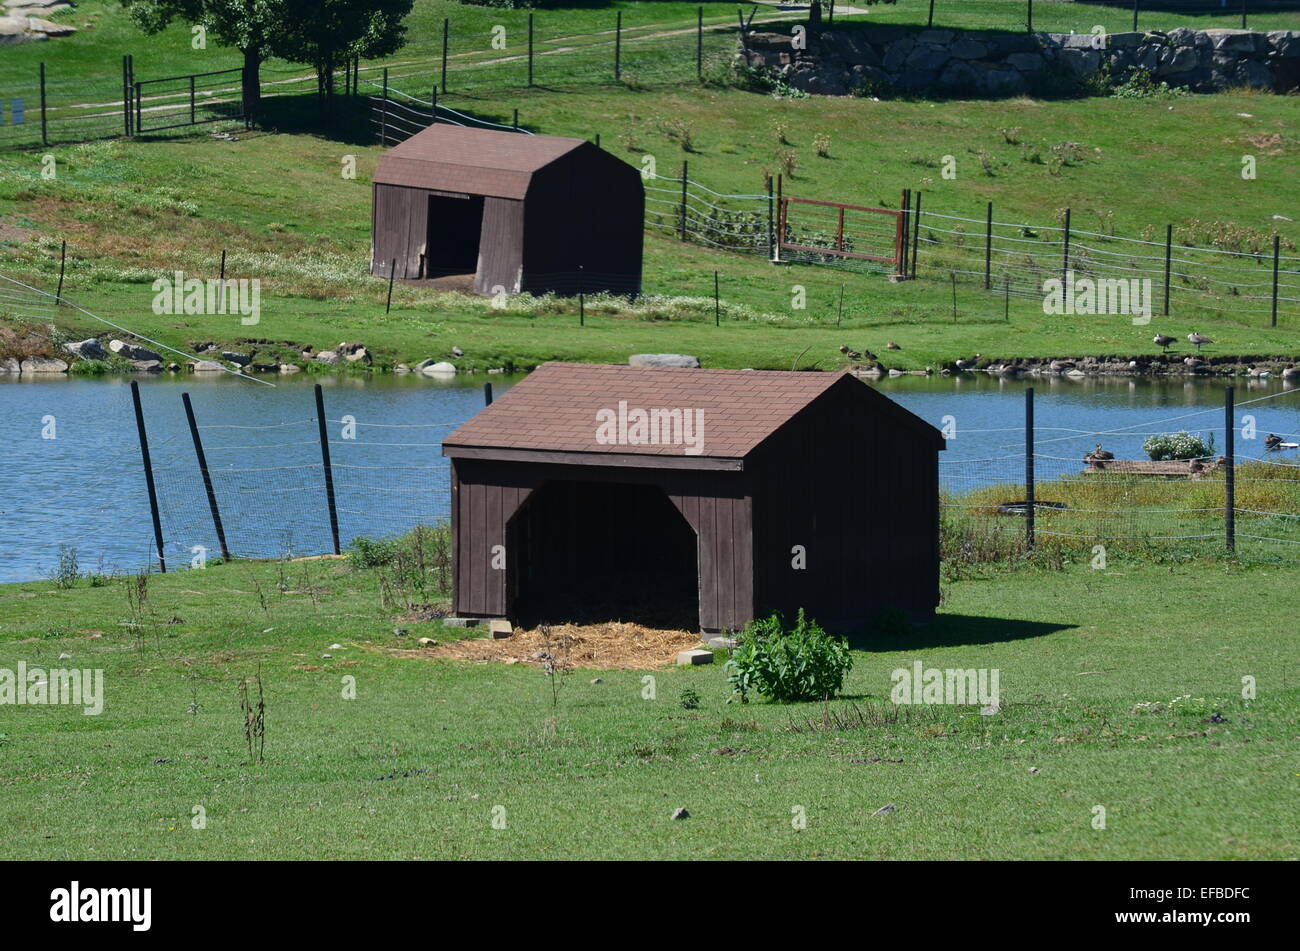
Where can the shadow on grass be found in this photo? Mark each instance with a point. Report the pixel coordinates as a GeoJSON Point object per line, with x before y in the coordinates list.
{"type": "Point", "coordinates": [953, 630]}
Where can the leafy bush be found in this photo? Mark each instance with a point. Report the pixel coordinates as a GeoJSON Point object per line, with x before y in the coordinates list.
{"type": "Point", "coordinates": [1178, 446]}
{"type": "Point", "coordinates": [788, 665]}
{"type": "Point", "coordinates": [1140, 84]}
{"type": "Point", "coordinates": [372, 552]}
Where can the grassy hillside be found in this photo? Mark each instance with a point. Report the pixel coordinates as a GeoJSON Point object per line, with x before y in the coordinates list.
{"type": "Point", "coordinates": [278, 204]}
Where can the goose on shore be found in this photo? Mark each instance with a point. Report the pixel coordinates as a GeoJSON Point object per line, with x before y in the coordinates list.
{"type": "Point", "coordinates": [1291, 373]}
{"type": "Point", "coordinates": [892, 346]}
{"type": "Point", "coordinates": [869, 355]}
{"type": "Point", "coordinates": [1061, 365]}
{"type": "Point", "coordinates": [967, 364]}
{"type": "Point", "coordinates": [1100, 453]}
{"type": "Point", "coordinates": [1198, 340]}
{"type": "Point", "coordinates": [1163, 342]}
{"type": "Point", "coordinates": [1272, 441]}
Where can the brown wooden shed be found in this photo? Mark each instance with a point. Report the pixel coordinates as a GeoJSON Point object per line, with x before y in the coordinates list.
{"type": "Point", "coordinates": [572, 498]}
{"type": "Point", "coordinates": [525, 213]}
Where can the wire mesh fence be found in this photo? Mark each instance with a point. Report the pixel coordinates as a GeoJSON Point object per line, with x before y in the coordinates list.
{"type": "Point", "coordinates": [1197, 266]}
{"type": "Point", "coordinates": [272, 498]}
{"type": "Point", "coordinates": [1059, 488]}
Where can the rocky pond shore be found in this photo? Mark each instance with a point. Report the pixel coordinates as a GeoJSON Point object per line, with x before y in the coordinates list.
{"type": "Point", "coordinates": [37, 357]}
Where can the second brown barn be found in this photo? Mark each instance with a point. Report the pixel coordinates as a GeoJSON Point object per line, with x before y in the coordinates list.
{"type": "Point", "coordinates": [697, 497]}
{"type": "Point", "coordinates": [518, 213]}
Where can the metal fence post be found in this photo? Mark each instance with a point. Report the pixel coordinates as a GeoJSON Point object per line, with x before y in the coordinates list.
{"type": "Point", "coordinates": [193, 111]}
{"type": "Point", "coordinates": [988, 249]}
{"type": "Point", "coordinates": [916, 235]}
{"type": "Point", "coordinates": [45, 139]}
{"type": "Point", "coordinates": [699, 43]}
{"type": "Point", "coordinates": [1169, 259]}
{"type": "Point", "coordinates": [392, 272]}
{"type": "Point", "coordinates": [1029, 468]}
{"type": "Point", "coordinates": [1276, 250]}
{"type": "Point", "coordinates": [618, 46]}
{"type": "Point", "coordinates": [1135, 15]}
{"type": "Point", "coordinates": [126, 99]}
{"type": "Point", "coordinates": [139, 108]}
{"type": "Point", "coordinates": [683, 200]}
{"type": "Point", "coordinates": [930, 22]}
{"type": "Point", "coordinates": [383, 112]}
{"type": "Point", "coordinates": [487, 394]}
{"type": "Point", "coordinates": [1229, 482]}
{"type": "Point", "coordinates": [1029, 21]}
{"type": "Point", "coordinates": [905, 206]}
{"type": "Point", "coordinates": [1065, 250]}
{"type": "Point", "coordinates": [63, 260]}
{"type": "Point", "coordinates": [771, 223]}
{"type": "Point", "coordinates": [329, 471]}
{"type": "Point", "coordinates": [530, 50]}
{"type": "Point", "coordinates": [445, 28]}
{"type": "Point", "coordinates": [1243, 15]}
{"type": "Point", "coordinates": [717, 301]}
{"type": "Point", "coordinates": [207, 478]}
{"type": "Point", "coordinates": [148, 476]}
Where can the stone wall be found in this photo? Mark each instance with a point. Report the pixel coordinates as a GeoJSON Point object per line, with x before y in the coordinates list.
{"type": "Point", "coordinates": [989, 63]}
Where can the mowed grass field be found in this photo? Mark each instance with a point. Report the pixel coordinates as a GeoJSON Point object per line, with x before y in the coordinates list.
{"type": "Point", "coordinates": [278, 204]}
{"type": "Point", "coordinates": [1110, 684]}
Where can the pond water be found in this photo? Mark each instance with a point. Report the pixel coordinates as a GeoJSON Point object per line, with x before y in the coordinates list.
{"type": "Point", "coordinates": [70, 470]}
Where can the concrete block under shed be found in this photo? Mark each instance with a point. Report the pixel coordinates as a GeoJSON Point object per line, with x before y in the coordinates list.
{"type": "Point", "coordinates": [693, 657]}
{"type": "Point", "coordinates": [460, 622]}
{"type": "Point", "coordinates": [500, 628]}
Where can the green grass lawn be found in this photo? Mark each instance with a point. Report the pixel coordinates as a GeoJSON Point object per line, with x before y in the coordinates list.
{"type": "Point", "coordinates": [1109, 681]}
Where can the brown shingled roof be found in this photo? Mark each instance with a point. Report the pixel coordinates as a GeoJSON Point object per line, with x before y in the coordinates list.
{"type": "Point", "coordinates": [472, 161]}
{"type": "Point", "coordinates": [555, 408]}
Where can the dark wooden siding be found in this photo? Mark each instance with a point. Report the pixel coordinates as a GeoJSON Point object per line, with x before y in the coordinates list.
{"type": "Point", "coordinates": [585, 211]}
{"type": "Point", "coordinates": [400, 220]}
{"type": "Point", "coordinates": [860, 494]}
{"type": "Point", "coordinates": [501, 252]}
{"type": "Point", "coordinates": [486, 495]}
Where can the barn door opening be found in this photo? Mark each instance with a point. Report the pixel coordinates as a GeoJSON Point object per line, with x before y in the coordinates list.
{"type": "Point", "coordinates": [455, 227]}
{"type": "Point", "coordinates": [589, 552]}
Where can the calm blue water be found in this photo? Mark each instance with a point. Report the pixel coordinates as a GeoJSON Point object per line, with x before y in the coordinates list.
{"type": "Point", "coordinates": [84, 488]}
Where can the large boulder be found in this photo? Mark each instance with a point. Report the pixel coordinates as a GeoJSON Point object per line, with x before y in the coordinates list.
{"type": "Point", "coordinates": [9, 365]}
{"type": "Point", "coordinates": [1177, 59]}
{"type": "Point", "coordinates": [43, 365]}
{"type": "Point", "coordinates": [131, 351]}
{"type": "Point", "coordinates": [89, 349]}
{"type": "Point", "coordinates": [440, 369]}
{"type": "Point", "coordinates": [1232, 41]}
{"type": "Point", "coordinates": [671, 360]}
{"type": "Point", "coordinates": [1285, 43]}
{"type": "Point", "coordinates": [26, 29]}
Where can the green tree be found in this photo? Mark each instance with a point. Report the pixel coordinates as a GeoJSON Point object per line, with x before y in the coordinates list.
{"type": "Point", "coordinates": [249, 26]}
{"type": "Point", "coordinates": [327, 34]}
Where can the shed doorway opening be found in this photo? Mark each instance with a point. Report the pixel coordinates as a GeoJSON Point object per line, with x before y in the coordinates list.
{"type": "Point", "coordinates": [455, 229]}
{"type": "Point", "coordinates": [589, 552]}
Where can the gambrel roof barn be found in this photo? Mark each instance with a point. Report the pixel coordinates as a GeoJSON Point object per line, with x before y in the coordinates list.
{"type": "Point", "coordinates": [522, 213]}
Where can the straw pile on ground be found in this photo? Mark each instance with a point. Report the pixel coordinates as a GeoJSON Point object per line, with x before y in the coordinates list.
{"type": "Point", "coordinates": [615, 645]}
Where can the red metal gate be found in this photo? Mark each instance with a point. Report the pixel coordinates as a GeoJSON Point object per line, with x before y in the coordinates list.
{"type": "Point", "coordinates": [835, 229]}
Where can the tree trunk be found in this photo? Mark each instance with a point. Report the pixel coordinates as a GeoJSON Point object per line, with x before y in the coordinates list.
{"type": "Point", "coordinates": [252, 83]}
